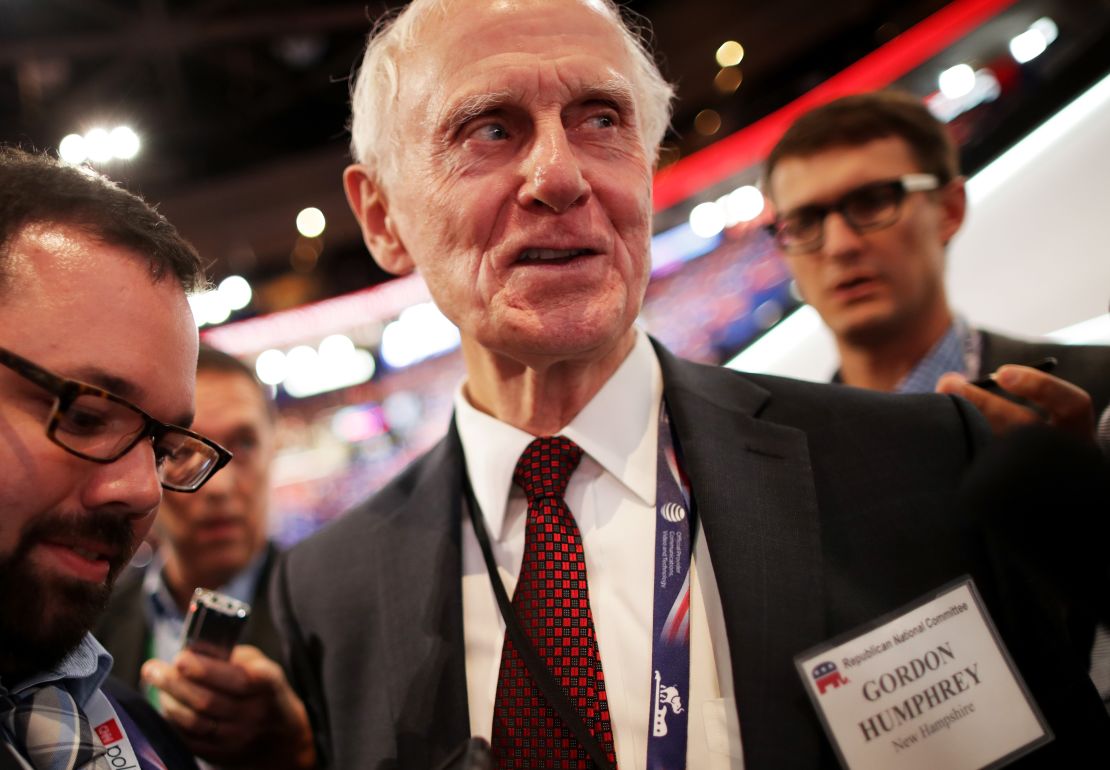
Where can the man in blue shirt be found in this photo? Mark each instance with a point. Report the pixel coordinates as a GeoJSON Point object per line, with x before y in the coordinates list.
{"type": "Point", "coordinates": [869, 193]}
{"type": "Point", "coordinates": [97, 365]}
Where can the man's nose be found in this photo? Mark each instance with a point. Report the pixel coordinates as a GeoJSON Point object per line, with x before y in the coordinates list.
{"type": "Point", "coordinates": [552, 175]}
{"type": "Point", "coordinates": [841, 241]}
{"type": "Point", "coordinates": [222, 482]}
{"type": "Point", "coordinates": [129, 485]}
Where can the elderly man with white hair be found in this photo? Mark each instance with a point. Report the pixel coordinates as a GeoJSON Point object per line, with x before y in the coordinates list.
{"type": "Point", "coordinates": [613, 556]}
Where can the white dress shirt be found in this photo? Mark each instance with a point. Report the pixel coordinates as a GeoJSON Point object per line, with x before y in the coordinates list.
{"type": "Point", "coordinates": [612, 497]}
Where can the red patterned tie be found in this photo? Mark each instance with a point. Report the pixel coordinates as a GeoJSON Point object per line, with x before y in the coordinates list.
{"type": "Point", "coordinates": [553, 606]}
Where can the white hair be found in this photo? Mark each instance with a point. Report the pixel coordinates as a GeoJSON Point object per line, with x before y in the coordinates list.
{"type": "Point", "coordinates": [376, 87]}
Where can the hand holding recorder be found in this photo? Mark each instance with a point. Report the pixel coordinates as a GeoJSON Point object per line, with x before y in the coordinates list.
{"type": "Point", "coordinates": [232, 704]}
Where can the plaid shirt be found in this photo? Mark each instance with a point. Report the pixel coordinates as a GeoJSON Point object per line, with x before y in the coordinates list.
{"type": "Point", "coordinates": [947, 355]}
{"type": "Point", "coordinates": [80, 673]}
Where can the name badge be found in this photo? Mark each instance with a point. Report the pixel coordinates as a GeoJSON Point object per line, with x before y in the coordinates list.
{"type": "Point", "coordinates": [927, 686]}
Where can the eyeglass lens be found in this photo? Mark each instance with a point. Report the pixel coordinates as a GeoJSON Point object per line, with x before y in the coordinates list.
{"type": "Point", "coordinates": [872, 206]}
{"type": "Point", "coordinates": [97, 426]}
{"type": "Point", "coordinates": [104, 429]}
{"type": "Point", "coordinates": [183, 460]}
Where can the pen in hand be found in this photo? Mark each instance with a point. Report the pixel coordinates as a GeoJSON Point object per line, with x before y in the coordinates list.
{"type": "Point", "coordinates": [1045, 365]}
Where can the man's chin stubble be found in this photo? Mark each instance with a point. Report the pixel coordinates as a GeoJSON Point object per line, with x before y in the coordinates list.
{"type": "Point", "coordinates": [43, 619]}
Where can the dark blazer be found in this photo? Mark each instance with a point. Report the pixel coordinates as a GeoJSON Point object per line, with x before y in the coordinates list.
{"type": "Point", "coordinates": [823, 508]}
{"type": "Point", "coordinates": [158, 734]}
{"type": "Point", "coordinates": [1087, 366]}
{"type": "Point", "coordinates": [125, 633]}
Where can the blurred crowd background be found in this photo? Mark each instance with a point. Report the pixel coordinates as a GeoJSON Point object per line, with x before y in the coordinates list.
{"type": "Point", "coordinates": [230, 115]}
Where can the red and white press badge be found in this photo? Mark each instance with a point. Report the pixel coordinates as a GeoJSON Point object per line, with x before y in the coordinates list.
{"type": "Point", "coordinates": [927, 686]}
{"type": "Point", "coordinates": [111, 733]}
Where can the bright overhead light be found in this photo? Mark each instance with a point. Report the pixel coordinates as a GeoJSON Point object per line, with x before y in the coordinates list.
{"type": "Point", "coordinates": [311, 222]}
{"type": "Point", "coordinates": [271, 366]}
{"type": "Point", "coordinates": [209, 307]}
{"type": "Point", "coordinates": [336, 346]}
{"type": "Point", "coordinates": [957, 81]}
{"type": "Point", "coordinates": [235, 291]}
{"type": "Point", "coordinates": [300, 358]}
{"type": "Point", "coordinates": [707, 219]}
{"type": "Point", "coordinates": [337, 364]}
{"type": "Point", "coordinates": [730, 54]}
{"type": "Point", "coordinates": [1048, 29]}
{"type": "Point", "coordinates": [946, 109]}
{"type": "Point", "coordinates": [124, 142]}
{"type": "Point", "coordinates": [743, 205]}
{"type": "Point", "coordinates": [72, 149]}
{"type": "Point", "coordinates": [1027, 46]}
{"type": "Point", "coordinates": [98, 145]}
{"type": "Point", "coordinates": [420, 332]}
{"type": "Point", "coordinates": [1032, 42]}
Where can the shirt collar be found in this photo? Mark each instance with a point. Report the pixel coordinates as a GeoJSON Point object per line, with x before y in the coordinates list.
{"type": "Point", "coordinates": [159, 602]}
{"type": "Point", "coordinates": [81, 671]}
{"type": "Point", "coordinates": [946, 355]}
{"type": "Point", "coordinates": [617, 429]}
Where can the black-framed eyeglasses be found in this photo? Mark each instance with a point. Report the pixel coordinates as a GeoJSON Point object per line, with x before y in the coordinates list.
{"type": "Point", "coordinates": [96, 425]}
{"type": "Point", "coordinates": [870, 207]}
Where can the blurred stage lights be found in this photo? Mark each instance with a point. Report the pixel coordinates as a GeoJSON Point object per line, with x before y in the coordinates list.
{"type": "Point", "coordinates": [730, 54]}
{"type": "Point", "coordinates": [728, 79]}
{"type": "Point", "coordinates": [707, 122]}
{"type": "Point", "coordinates": [957, 81]}
{"type": "Point", "coordinates": [311, 222]}
{"type": "Point", "coordinates": [216, 305]}
{"type": "Point", "coordinates": [100, 145]}
{"type": "Point", "coordinates": [420, 332]}
{"type": "Point", "coordinates": [985, 88]}
{"type": "Point", "coordinates": [306, 371]}
{"type": "Point", "coordinates": [962, 80]}
{"type": "Point", "coordinates": [1032, 42]}
{"type": "Point", "coordinates": [741, 205]}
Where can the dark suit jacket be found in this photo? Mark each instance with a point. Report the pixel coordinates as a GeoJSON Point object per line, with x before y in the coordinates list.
{"type": "Point", "coordinates": [125, 633]}
{"type": "Point", "coordinates": [161, 737]}
{"type": "Point", "coordinates": [823, 508]}
{"type": "Point", "coordinates": [1087, 366]}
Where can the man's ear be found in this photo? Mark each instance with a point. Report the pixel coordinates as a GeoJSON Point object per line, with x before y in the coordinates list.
{"type": "Point", "coordinates": [371, 208]}
{"type": "Point", "coordinates": [953, 207]}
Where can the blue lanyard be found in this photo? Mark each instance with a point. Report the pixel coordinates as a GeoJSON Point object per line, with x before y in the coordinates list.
{"type": "Point", "coordinates": [670, 647]}
{"type": "Point", "coordinates": [670, 643]}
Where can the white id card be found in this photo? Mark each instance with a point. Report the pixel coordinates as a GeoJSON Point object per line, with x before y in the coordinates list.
{"type": "Point", "coordinates": [927, 686]}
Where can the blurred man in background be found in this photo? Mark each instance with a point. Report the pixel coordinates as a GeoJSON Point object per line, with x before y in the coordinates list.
{"type": "Point", "coordinates": [505, 151]}
{"type": "Point", "coordinates": [97, 364]}
{"type": "Point", "coordinates": [869, 194]}
{"type": "Point", "coordinates": [214, 539]}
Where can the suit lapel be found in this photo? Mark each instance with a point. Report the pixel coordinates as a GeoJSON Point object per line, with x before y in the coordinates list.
{"type": "Point", "coordinates": [418, 573]}
{"type": "Point", "coordinates": [753, 487]}
{"type": "Point", "coordinates": [260, 629]}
